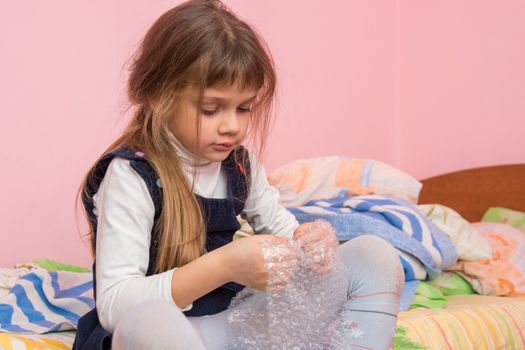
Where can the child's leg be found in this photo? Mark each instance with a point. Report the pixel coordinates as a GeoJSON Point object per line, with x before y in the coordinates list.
{"type": "Point", "coordinates": [375, 283]}
{"type": "Point", "coordinates": [161, 325]}
{"type": "Point", "coordinates": [156, 325]}
{"type": "Point", "coordinates": [214, 330]}
{"type": "Point", "coordinates": [369, 316]}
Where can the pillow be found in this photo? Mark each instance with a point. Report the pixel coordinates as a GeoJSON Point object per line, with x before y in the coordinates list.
{"type": "Point", "coordinates": [428, 296]}
{"type": "Point", "coordinates": [508, 216]}
{"type": "Point", "coordinates": [504, 274]}
{"type": "Point", "coordinates": [469, 244]}
{"type": "Point", "coordinates": [451, 283]}
{"type": "Point", "coordinates": [320, 178]}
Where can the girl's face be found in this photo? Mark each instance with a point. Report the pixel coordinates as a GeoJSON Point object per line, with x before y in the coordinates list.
{"type": "Point", "coordinates": [224, 119]}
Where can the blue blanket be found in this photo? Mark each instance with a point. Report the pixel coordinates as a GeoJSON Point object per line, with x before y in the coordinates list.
{"type": "Point", "coordinates": [395, 220]}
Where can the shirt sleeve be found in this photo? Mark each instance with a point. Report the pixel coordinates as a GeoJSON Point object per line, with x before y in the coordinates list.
{"type": "Point", "coordinates": [125, 214]}
{"type": "Point", "coordinates": [263, 209]}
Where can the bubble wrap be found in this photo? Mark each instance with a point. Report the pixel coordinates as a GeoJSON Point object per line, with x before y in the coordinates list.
{"type": "Point", "coordinates": [303, 314]}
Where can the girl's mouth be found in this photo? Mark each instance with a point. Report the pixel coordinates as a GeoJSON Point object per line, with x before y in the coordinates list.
{"type": "Point", "coordinates": [227, 146]}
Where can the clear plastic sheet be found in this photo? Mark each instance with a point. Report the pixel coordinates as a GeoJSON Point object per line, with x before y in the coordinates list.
{"type": "Point", "coordinates": [303, 314]}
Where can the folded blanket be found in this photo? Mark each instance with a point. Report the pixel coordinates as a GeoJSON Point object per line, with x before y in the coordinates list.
{"type": "Point", "coordinates": [43, 301]}
{"type": "Point", "coordinates": [395, 220]}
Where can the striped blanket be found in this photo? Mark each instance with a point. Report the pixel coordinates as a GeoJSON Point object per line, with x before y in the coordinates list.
{"type": "Point", "coordinates": [393, 219]}
{"type": "Point", "coordinates": [469, 322]}
{"type": "Point", "coordinates": [43, 301]}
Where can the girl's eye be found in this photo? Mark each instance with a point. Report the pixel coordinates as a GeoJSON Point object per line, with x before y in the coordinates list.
{"type": "Point", "coordinates": [209, 111]}
{"type": "Point", "coordinates": [244, 110]}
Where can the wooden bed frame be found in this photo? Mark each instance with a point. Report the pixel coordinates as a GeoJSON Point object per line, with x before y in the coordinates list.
{"type": "Point", "coordinates": [471, 192]}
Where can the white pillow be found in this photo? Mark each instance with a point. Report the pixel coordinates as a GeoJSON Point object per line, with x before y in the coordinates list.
{"type": "Point", "coordinates": [469, 244]}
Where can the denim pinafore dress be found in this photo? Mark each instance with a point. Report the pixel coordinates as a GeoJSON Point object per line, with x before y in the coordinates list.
{"type": "Point", "coordinates": [220, 216]}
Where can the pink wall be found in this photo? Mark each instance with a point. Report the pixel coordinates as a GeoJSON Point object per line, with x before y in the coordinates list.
{"type": "Point", "coordinates": [420, 86]}
{"type": "Point", "coordinates": [60, 97]}
{"type": "Point", "coordinates": [461, 84]}
{"type": "Point", "coordinates": [336, 76]}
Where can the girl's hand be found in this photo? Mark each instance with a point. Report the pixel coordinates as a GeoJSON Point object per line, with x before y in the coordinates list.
{"type": "Point", "coordinates": [319, 244]}
{"type": "Point", "coordinates": [249, 262]}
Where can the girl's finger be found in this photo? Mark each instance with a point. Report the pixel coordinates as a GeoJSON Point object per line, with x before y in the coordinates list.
{"type": "Point", "coordinates": [321, 268]}
{"type": "Point", "coordinates": [312, 246]}
{"type": "Point", "coordinates": [276, 284]}
{"type": "Point", "coordinates": [309, 239]}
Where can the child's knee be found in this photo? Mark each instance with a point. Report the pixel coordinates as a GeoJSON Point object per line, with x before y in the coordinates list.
{"type": "Point", "coordinates": [375, 257]}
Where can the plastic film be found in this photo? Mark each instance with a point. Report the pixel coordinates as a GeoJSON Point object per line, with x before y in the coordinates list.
{"type": "Point", "coordinates": [302, 306]}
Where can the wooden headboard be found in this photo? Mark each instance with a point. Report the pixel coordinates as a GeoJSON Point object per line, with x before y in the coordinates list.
{"type": "Point", "coordinates": [471, 192]}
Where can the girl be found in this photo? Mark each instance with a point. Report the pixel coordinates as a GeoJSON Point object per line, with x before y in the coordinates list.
{"type": "Point", "coordinates": [162, 200]}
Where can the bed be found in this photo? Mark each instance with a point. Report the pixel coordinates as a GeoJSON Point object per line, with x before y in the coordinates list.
{"type": "Point", "coordinates": [472, 321]}
{"type": "Point", "coordinates": [468, 321]}
{"type": "Point", "coordinates": [471, 192]}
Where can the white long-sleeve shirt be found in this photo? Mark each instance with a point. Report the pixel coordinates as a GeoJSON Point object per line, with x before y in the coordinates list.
{"type": "Point", "coordinates": [125, 213]}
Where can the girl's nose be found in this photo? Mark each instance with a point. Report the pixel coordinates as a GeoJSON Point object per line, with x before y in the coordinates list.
{"type": "Point", "coordinates": [229, 123]}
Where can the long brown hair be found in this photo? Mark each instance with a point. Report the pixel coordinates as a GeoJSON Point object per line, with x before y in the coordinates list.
{"type": "Point", "coordinates": [199, 43]}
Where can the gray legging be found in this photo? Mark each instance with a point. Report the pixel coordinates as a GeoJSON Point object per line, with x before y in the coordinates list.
{"type": "Point", "coordinates": [375, 285]}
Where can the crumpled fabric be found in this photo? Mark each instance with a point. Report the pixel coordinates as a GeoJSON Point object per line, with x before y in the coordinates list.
{"type": "Point", "coordinates": [302, 315]}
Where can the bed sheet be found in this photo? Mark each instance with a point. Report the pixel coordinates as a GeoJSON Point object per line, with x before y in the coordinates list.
{"type": "Point", "coordinates": [48, 341]}
{"type": "Point", "coordinates": [469, 322]}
